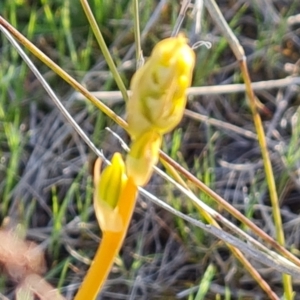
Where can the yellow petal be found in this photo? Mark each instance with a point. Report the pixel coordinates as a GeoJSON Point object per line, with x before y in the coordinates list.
{"type": "Point", "coordinates": [143, 156]}
{"type": "Point", "coordinates": [112, 181]}
{"type": "Point", "coordinates": [109, 188]}
{"type": "Point", "coordinates": [109, 219]}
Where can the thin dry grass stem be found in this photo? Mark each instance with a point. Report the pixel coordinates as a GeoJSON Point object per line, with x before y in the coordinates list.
{"type": "Point", "coordinates": [52, 95]}
{"type": "Point", "coordinates": [240, 88]}
{"type": "Point", "coordinates": [197, 13]}
{"type": "Point", "coordinates": [246, 264]}
{"type": "Point", "coordinates": [282, 266]}
{"type": "Point", "coordinates": [217, 123]}
{"type": "Point", "coordinates": [184, 7]}
{"type": "Point", "coordinates": [265, 154]}
{"type": "Point", "coordinates": [240, 55]}
{"type": "Point", "coordinates": [237, 214]}
{"type": "Point", "coordinates": [209, 216]}
{"type": "Point", "coordinates": [217, 16]}
{"type": "Point", "coordinates": [113, 97]}
{"type": "Point", "coordinates": [151, 22]}
{"type": "Point", "coordinates": [287, 280]}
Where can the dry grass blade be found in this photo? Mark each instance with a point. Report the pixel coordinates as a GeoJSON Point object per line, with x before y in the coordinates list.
{"type": "Point", "coordinates": [228, 238]}
{"type": "Point", "coordinates": [231, 209]}
{"type": "Point", "coordinates": [113, 97]}
{"type": "Point", "coordinates": [240, 55]}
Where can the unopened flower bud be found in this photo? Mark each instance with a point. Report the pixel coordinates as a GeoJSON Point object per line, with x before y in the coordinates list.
{"type": "Point", "coordinates": [109, 189]}
{"type": "Point", "coordinates": [159, 88]}
{"type": "Point", "coordinates": [142, 156]}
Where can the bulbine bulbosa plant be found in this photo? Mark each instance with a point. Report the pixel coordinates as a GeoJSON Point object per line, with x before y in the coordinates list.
{"type": "Point", "coordinates": [156, 106]}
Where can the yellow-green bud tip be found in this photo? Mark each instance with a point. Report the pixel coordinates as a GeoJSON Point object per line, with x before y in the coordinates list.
{"type": "Point", "coordinates": [159, 88]}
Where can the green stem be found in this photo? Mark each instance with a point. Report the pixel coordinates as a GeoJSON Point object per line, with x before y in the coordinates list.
{"type": "Point", "coordinates": [287, 280]}
{"type": "Point", "coordinates": [63, 74]}
{"type": "Point", "coordinates": [104, 49]}
{"type": "Point", "coordinates": [109, 247]}
{"type": "Point", "coordinates": [137, 36]}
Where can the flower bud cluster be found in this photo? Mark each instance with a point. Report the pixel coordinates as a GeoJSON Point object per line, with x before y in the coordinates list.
{"type": "Point", "coordinates": [157, 103]}
{"type": "Point", "coordinates": [156, 106]}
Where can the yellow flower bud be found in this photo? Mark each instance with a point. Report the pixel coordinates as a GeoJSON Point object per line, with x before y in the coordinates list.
{"type": "Point", "coordinates": [108, 192]}
{"type": "Point", "coordinates": [113, 180]}
{"type": "Point", "coordinates": [142, 156]}
{"type": "Point", "coordinates": [159, 88]}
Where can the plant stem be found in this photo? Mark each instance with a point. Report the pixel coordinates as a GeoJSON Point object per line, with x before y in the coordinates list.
{"type": "Point", "coordinates": [109, 248]}
{"type": "Point", "coordinates": [104, 49]}
{"type": "Point", "coordinates": [240, 55]}
{"type": "Point", "coordinates": [287, 280]}
{"type": "Point", "coordinates": [101, 265]}
{"type": "Point", "coordinates": [137, 36]}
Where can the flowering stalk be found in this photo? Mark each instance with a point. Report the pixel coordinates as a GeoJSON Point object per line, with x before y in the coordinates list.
{"type": "Point", "coordinates": [157, 103]}
{"type": "Point", "coordinates": [155, 107]}
{"type": "Point", "coordinates": [114, 202]}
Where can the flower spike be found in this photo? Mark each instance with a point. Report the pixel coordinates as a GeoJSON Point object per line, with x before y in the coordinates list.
{"type": "Point", "coordinates": [114, 202]}
{"type": "Point", "coordinates": [159, 88]}
{"type": "Point", "coordinates": [155, 108]}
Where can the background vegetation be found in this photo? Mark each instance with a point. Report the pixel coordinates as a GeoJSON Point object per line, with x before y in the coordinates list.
{"type": "Point", "coordinates": [45, 169]}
